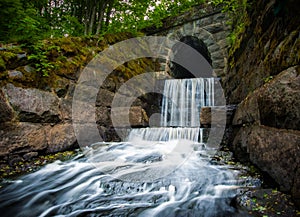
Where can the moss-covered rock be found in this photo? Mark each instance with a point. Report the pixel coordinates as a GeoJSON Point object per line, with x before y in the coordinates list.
{"type": "Point", "coordinates": [2, 65]}
{"type": "Point", "coordinates": [268, 44]}
{"type": "Point", "coordinates": [33, 129]}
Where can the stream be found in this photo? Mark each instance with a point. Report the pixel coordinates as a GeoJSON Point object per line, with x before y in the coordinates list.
{"type": "Point", "coordinates": [159, 171]}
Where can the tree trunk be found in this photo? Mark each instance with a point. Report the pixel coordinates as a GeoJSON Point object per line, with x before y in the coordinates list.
{"type": "Point", "coordinates": [92, 17]}
{"type": "Point", "coordinates": [100, 16]}
{"type": "Point", "coordinates": [87, 17]}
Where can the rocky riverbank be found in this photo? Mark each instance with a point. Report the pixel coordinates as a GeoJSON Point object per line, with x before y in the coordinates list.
{"type": "Point", "coordinates": [37, 83]}
{"type": "Point", "coordinates": [263, 80]}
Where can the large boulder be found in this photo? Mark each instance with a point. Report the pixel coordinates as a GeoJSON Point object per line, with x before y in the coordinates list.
{"type": "Point", "coordinates": [21, 138]}
{"type": "Point", "coordinates": [279, 101]}
{"type": "Point", "coordinates": [60, 137]}
{"type": "Point", "coordinates": [33, 105]}
{"type": "Point", "coordinates": [268, 123]}
{"type": "Point", "coordinates": [276, 104]}
{"type": "Point", "coordinates": [274, 151]}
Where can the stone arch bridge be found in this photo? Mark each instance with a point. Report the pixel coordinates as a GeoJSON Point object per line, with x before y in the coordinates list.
{"type": "Point", "coordinates": [206, 23]}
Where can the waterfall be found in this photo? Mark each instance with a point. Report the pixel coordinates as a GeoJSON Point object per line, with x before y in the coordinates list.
{"type": "Point", "coordinates": [183, 99]}
{"type": "Point", "coordinates": [167, 134]}
{"type": "Point", "coordinates": [180, 111]}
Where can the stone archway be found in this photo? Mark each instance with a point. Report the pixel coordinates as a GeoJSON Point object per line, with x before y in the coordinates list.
{"type": "Point", "coordinates": [212, 30]}
{"type": "Point", "coordinates": [176, 70]}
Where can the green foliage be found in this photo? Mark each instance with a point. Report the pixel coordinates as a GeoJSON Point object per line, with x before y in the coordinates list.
{"type": "Point", "coordinates": [235, 34]}
{"type": "Point", "coordinates": [233, 7]}
{"type": "Point", "coordinates": [40, 59]}
{"type": "Point", "coordinates": [27, 21]}
{"type": "Point", "coordinates": [268, 79]}
{"type": "Point", "coordinates": [9, 15]}
{"type": "Point", "coordinates": [237, 11]}
{"type": "Point", "coordinates": [146, 13]}
{"type": "Point", "coordinates": [30, 28]}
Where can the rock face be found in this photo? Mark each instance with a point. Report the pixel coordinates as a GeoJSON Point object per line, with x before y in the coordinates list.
{"type": "Point", "coordinates": [275, 151]}
{"type": "Point", "coordinates": [6, 112]}
{"type": "Point", "coordinates": [263, 78]}
{"type": "Point", "coordinates": [270, 135]}
{"type": "Point", "coordinates": [134, 116]}
{"type": "Point", "coordinates": [33, 105]}
{"type": "Point", "coordinates": [36, 115]}
{"type": "Point", "coordinates": [276, 104]}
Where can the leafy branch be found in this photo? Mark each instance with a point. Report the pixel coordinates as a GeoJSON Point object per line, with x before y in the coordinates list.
{"type": "Point", "coordinates": [40, 59]}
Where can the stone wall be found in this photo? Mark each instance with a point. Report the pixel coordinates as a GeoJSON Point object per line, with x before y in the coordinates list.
{"type": "Point", "coordinates": [263, 79]}
{"type": "Point", "coordinates": [36, 110]}
{"type": "Point", "coordinates": [205, 22]}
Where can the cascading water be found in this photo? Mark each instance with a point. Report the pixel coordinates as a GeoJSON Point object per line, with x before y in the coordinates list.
{"type": "Point", "coordinates": [162, 171]}
{"type": "Point", "coordinates": [183, 99]}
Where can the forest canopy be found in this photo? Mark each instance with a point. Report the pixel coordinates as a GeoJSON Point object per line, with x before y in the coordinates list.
{"type": "Point", "coordinates": [30, 20]}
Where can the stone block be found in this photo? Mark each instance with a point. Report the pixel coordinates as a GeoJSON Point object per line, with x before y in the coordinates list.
{"type": "Point", "coordinates": [221, 115]}
{"type": "Point", "coordinates": [129, 117]}
{"type": "Point", "coordinates": [60, 137]}
{"type": "Point", "coordinates": [33, 105]}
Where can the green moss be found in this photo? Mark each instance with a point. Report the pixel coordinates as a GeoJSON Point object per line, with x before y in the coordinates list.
{"type": "Point", "coordinates": [8, 57]}
{"type": "Point", "coordinates": [64, 57]}
{"type": "Point", "coordinates": [34, 164]}
{"type": "Point", "coordinates": [2, 64]}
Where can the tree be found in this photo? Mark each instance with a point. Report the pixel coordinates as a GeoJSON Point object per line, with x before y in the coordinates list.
{"type": "Point", "coordinates": [9, 15]}
{"type": "Point", "coordinates": [32, 19]}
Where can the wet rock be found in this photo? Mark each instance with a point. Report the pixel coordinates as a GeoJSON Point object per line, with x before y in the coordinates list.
{"type": "Point", "coordinates": [22, 138]}
{"type": "Point", "coordinates": [14, 159]}
{"type": "Point", "coordinates": [6, 112]}
{"type": "Point", "coordinates": [274, 151]}
{"type": "Point", "coordinates": [221, 115]}
{"type": "Point", "coordinates": [276, 104]}
{"type": "Point", "coordinates": [266, 202]}
{"type": "Point", "coordinates": [60, 137]}
{"type": "Point", "coordinates": [33, 105]}
{"type": "Point", "coordinates": [247, 112]}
